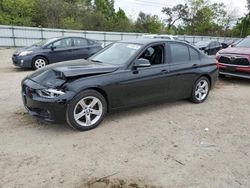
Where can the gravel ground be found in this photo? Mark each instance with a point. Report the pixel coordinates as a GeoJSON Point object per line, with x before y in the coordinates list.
{"type": "Point", "coordinates": [172, 144]}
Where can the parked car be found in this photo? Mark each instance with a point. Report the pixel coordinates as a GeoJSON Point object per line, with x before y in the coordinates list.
{"type": "Point", "coordinates": [55, 50]}
{"type": "Point", "coordinates": [229, 42]}
{"type": "Point", "coordinates": [209, 47]}
{"type": "Point", "coordinates": [235, 61]}
{"type": "Point", "coordinates": [124, 74]}
{"type": "Point", "coordinates": [171, 37]}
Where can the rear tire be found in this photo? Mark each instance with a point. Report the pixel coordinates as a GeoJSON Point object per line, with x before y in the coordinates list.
{"type": "Point", "coordinates": [39, 62]}
{"type": "Point", "coordinates": [200, 90]}
{"type": "Point", "coordinates": [86, 111]}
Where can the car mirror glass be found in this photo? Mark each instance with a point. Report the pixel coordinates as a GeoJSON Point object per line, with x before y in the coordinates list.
{"type": "Point", "coordinates": [141, 63]}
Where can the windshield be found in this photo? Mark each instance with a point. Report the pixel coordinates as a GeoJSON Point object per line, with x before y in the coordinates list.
{"type": "Point", "coordinates": [245, 43]}
{"type": "Point", "coordinates": [116, 53]}
{"type": "Point", "coordinates": [43, 42]}
{"type": "Point", "coordinates": [202, 43]}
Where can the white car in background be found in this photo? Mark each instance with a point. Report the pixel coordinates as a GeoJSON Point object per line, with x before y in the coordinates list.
{"type": "Point", "coordinates": [170, 37]}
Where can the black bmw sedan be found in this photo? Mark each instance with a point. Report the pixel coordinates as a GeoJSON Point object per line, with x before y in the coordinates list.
{"type": "Point", "coordinates": [123, 74]}
{"type": "Point", "coordinates": [55, 50]}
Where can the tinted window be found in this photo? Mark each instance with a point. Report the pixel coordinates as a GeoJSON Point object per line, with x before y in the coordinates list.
{"type": "Point", "coordinates": [64, 43]}
{"type": "Point", "coordinates": [44, 42]}
{"type": "Point", "coordinates": [155, 54]}
{"type": "Point", "coordinates": [179, 52]}
{"type": "Point", "coordinates": [194, 54]}
{"type": "Point", "coordinates": [214, 44]}
{"type": "Point", "coordinates": [80, 42]}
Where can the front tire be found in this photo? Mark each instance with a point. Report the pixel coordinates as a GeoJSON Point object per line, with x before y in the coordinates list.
{"type": "Point", "coordinates": [87, 110]}
{"type": "Point", "coordinates": [39, 62]}
{"type": "Point", "coordinates": [200, 90]}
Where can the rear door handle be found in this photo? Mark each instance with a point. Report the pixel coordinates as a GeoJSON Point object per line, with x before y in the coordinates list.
{"type": "Point", "coordinates": [195, 65]}
{"type": "Point", "coordinates": [164, 71]}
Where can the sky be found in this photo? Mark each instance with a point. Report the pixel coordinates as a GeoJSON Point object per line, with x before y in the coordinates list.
{"type": "Point", "coordinates": [133, 7]}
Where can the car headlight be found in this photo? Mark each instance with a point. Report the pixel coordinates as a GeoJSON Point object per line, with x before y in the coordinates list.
{"type": "Point", "coordinates": [24, 53]}
{"type": "Point", "coordinates": [49, 93]}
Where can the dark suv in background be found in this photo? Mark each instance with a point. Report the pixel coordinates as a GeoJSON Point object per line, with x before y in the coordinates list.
{"type": "Point", "coordinates": [55, 50]}
{"type": "Point", "coordinates": [209, 47]}
{"type": "Point", "coordinates": [235, 61]}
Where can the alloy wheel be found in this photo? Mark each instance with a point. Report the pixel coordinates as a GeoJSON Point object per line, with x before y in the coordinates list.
{"type": "Point", "coordinates": [40, 63]}
{"type": "Point", "coordinates": [201, 90]}
{"type": "Point", "coordinates": [88, 111]}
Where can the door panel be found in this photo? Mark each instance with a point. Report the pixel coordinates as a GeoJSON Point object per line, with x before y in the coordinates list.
{"type": "Point", "coordinates": [142, 85]}
{"type": "Point", "coordinates": [181, 79]}
{"type": "Point", "coordinates": [183, 70]}
{"type": "Point", "coordinates": [62, 50]}
{"type": "Point", "coordinates": [81, 48]}
{"type": "Point", "coordinates": [145, 85]}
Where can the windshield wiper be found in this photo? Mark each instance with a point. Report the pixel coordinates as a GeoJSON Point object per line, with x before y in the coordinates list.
{"type": "Point", "coordinates": [96, 61]}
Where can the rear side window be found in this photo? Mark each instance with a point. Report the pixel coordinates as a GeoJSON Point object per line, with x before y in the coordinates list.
{"type": "Point", "coordinates": [80, 42]}
{"type": "Point", "coordinates": [194, 55]}
{"type": "Point", "coordinates": [179, 52]}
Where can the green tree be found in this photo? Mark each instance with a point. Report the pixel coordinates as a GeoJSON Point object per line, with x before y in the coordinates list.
{"type": "Point", "coordinates": [242, 27]}
{"type": "Point", "coordinates": [18, 12]}
{"type": "Point", "coordinates": [148, 23]}
{"type": "Point", "coordinates": [174, 14]}
{"type": "Point", "coordinates": [120, 22]}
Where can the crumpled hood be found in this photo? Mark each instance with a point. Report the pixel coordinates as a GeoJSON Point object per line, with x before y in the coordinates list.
{"type": "Point", "coordinates": [235, 50]}
{"type": "Point", "coordinates": [56, 74]}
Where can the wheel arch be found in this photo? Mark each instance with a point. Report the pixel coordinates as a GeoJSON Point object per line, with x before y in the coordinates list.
{"type": "Point", "coordinates": [208, 77]}
{"type": "Point", "coordinates": [102, 92]}
{"type": "Point", "coordinates": [40, 56]}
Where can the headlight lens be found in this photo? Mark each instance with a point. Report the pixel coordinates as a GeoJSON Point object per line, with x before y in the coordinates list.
{"type": "Point", "coordinates": [49, 93]}
{"type": "Point", "coordinates": [24, 53]}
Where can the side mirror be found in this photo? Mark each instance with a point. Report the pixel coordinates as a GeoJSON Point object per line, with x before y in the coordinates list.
{"type": "Point", "coordinates": [140, 63]}
{"type": "Point", "coordinates": [52, 48]}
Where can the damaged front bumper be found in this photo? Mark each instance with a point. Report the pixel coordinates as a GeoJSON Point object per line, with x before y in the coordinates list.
{"type": "Point", "coordinates": [48, 109]}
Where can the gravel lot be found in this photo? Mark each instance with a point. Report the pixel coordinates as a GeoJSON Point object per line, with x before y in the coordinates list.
{"type": "Point", "coordinates": [173, 144]}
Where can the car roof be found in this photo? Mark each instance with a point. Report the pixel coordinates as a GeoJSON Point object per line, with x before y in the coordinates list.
{"type": "Point", "coordinates": [145, 41]}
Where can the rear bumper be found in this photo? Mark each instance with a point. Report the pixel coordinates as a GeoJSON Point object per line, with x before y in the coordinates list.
{"type": "Point", "coordinates": [22, 61]}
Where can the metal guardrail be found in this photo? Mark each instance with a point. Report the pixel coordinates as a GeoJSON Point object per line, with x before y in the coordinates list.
{"type": "Point", "coordinates": [16, 36]}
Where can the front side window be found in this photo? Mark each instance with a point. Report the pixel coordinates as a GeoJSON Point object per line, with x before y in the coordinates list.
{"type": "Point", "coordinates": [179, 53]}
{"type": "Point", "coordinates": [117, 53]}
{"type": "Point", "coordinates": [44, 42]}
{"type": "Point", "coordinates": [155, 54]}
{"type": "Point", "coordinates": [64, 43]}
